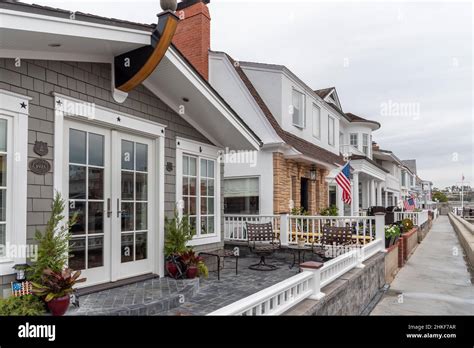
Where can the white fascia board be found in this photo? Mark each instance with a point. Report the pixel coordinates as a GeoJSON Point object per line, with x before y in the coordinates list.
{"type": "Point", "coordinates": [365, 167]}
{"type": "Point", "coordinates": [19, 20]}
{"type": "Point", "coordinates": [210, 95]}
{"type": "Point", "coordinates": [250, 99]}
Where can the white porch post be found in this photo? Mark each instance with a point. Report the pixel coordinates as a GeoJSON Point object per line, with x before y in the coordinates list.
{"type": "Point", "coordinates": [379, 194]}
{"type": "Point", "coordinates": [365, 194]}
{"type": "Point", "coordinates": [340, 203]}
{"type": "Point", "coordinates": [284, 228]}
{"type": "Point", "coordinates": [386, 198]}
{"type": "Point", "coordinates": [372, 193]}
{"type": "Point", "coordinates": [355, 194]}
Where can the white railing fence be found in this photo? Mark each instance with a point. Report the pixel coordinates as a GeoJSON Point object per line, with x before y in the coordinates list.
{"type": "Point", "coordinates": [310, 228]}
{"type": "Point", "coordinates": [282, 296]}
{"type": "Point", "coordinates": [291, 228]}
{"type": "Point", "coordinates": [418, 218]}
{"type": "Point", "coordinates": [235, 225]}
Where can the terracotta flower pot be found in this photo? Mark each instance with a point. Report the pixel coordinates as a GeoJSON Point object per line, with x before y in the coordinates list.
{"type": "Point", "coordinates": [172, 269]}
{"type": "Point", "coordinates": [58, 306]}
{"type": "Point", "coordinates": [191, 272]}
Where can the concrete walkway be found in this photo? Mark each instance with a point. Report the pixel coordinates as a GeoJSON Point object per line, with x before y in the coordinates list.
{"type": "Point", "coordinates": [434, 281]}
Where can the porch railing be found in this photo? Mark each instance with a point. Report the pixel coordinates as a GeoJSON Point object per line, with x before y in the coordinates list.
{"type": "Point", "coordinates": [292, 228]}
{"type": "Point", "coordinates": [418, 218]}
{"type": "Point", "coordinates": [282, 296]}
{"type": "Point", "coordinates": [235, 225]}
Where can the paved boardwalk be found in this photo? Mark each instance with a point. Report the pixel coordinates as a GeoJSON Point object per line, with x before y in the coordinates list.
{"type": "Point", "coordinates": [434, 281]}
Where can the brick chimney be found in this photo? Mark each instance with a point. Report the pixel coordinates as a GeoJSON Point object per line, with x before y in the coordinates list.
{"type": "Point", "coordinates": [193, 35]}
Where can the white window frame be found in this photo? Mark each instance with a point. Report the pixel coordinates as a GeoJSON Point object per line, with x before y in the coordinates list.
{"type": "Point", "coordinates": [333, 135]}
{"type": "Point", "coordinates": [301, 112]}
{"type": "Point", "coordinates": [17, 157]}
{"type": "Point", "coordinates": [316, 121]}
{"type": "Point", "coordinates": [356, 138]}
{"type": "Point", "coordinates": [201, 151]}
{"type": "Point", "coordinates": [365, 136]}
{"type": "Point", "coordinates": [259, 187]}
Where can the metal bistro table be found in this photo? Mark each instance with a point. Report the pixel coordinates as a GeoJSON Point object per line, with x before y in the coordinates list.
{"type": "Point", "coordinates": [296, 249]}
{"type": "Point", "coordinates": [223, 253]}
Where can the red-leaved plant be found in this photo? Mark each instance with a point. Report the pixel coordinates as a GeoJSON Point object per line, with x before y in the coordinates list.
{"type": "Point", "coordinates": [57, 284]}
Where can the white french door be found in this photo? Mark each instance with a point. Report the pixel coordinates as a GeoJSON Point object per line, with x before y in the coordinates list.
{"type": "Point", "coordinates": [108, 187]}
{"type": "Point", "coordinates": [132, 195]}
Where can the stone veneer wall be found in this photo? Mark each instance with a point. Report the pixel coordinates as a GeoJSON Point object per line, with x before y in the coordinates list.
{"type": "Point", "coordinates": [89, 82]}
{"type": "Point", "coordinates": [349, 294]}
{"type": "Point", "coordinates": [287, 176]}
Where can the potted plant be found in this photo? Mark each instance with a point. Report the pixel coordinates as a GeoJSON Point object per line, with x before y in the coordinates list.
{"type": "Point", "coordinates": [178, 232]}
{"type": "Point", "coordinates": [407, 225]}
{"type": "Point", "coordinates": [392, 233]}
{"type": "Point", "coordinates": [194, 265]}
{"type": "Point", "coordinates": [56, 288]}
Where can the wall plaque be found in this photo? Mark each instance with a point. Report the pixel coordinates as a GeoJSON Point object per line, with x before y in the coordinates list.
{"type": "Point", "coordinates": [40, 166]}
{"type": "Point", "coordinates": [40, 148]}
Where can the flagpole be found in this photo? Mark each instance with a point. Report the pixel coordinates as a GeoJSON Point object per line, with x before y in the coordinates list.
{"type": "Point", "coordinates": [462, 195]}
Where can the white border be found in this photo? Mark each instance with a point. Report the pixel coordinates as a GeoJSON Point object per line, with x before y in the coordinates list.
{"type": "Point", "coordinates": [10, 107]}
{"type": "Point", "coordinates": [108, 118]}
{"type": "Point", "coordinates": [195, 148]}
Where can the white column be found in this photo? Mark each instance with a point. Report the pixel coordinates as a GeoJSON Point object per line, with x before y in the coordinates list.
{"type": "Point", "coordinates": [379, 194]}
{"type": "Point", "coordinates": [365, 195]}
{"type": "Point", "coordinates": [372, 193]}
{"type": "Point", "coordinates": [386, 198]}
{"type": "Point", "coordinates": [355, 194]}
{"type": "Point", "coordinates": [340, 203]}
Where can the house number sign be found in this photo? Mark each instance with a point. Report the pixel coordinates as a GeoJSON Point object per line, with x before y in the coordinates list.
{"type": "Point", "coordinates": [40, 166]}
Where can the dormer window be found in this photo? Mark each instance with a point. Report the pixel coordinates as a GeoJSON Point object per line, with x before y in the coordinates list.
{"type": "Point", "coordinates": [298, 109]}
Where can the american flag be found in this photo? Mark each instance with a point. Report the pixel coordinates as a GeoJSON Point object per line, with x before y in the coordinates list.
{"type": "Point", "coordinates": [409, 204]}
{"type": "Point", "coordinates": [344, 181]}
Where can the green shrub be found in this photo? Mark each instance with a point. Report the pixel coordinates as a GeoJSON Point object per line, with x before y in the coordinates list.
{"type": "Point", "coordinates": [26, 305]}
{"type": "Point", "coordinates": [330, 211]}
{"type": "Point", "coordinates": [53, 244]}
{"type": "Point", "coordinates": [392, 231]}
{"type": "Point", "coordinates": [178, 232]}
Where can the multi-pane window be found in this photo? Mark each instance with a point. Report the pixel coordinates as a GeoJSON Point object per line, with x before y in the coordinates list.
{"type": "Point", "coordinates": [354, 139]}
{"type": "Point", "coordinates": [86, 199]}
{"type": "Point", "coordinates": [298, 102]}
{"type": "Point", "coordinates": [190, 188]}
{"type": "Point", "coordinates": [365, 144]}
{"type": "Point", "coordinates": [3, 184]}
{"type": "Point", "coordinates": [134, 202]}
{"type": "Point", "coordinates": [207, 196]}
{"type": "Point", "coordinates": [316, 121]}
{"type": "Point", "coordinates": [203, 171]}
{"type": "Point", "coordinates": [331, 130]}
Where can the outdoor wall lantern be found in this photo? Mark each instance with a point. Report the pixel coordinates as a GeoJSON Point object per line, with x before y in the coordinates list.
{"type": "Point", "coordinates": [20, 271]}
{"type": "Point", "coordinates": [312, 173]}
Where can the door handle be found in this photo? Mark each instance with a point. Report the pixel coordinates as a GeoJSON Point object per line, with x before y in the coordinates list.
{"type": "Point", "coordinates": [109, 209]}
{"type": "Point", "coordinates": [118, 208]}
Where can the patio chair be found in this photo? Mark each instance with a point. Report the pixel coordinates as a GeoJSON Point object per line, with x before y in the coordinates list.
{"type": "Point", "coordinates": [336, 239]}
{"type": "Point", "coordinates": [262, 241]}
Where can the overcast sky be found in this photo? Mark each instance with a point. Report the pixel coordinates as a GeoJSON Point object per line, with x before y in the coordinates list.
{"type": "Point", "coordinates": [407, 65]}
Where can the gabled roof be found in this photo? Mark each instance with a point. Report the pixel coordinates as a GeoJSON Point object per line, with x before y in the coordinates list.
{"type": "Point", "coordinates": [323, 93]}
{"type": "Point", "coordinates": [410, 164]}
{"type": "Point", "coordinates": [217, 105]}
{"type": "Point", "coordinates": [305, 147]}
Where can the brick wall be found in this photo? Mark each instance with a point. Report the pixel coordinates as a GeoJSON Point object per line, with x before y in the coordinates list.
{"type": "Point", "coordinates": [193, 36]}
{"type": "Point", "coordinates": [287, 176]}
{"type": "Point", "coordinates": [88, 82]}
